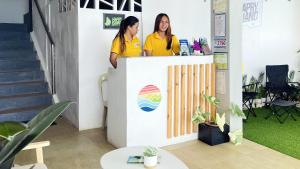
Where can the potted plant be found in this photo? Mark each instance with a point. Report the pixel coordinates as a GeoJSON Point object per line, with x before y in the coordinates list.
{"type": "Point", "coordinates": [213, 131]}
{"type": "Point", "coordinates": [14, 136]}
{"type": "Point", "coordinates": [236, 137]}
{"type": "Point", "coordinates": [150, 157]}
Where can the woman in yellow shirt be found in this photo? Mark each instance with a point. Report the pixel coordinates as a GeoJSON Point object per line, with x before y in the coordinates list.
{"type": "Point", "coordinates": [126, 44]}
{"type": "Point", "coordinates": [161, 42]}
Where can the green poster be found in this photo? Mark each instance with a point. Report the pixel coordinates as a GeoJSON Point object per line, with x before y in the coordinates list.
{"type": "Point", "coordinates": [112, 21]}
{"type": "Point", "coordinates": [221, 60]}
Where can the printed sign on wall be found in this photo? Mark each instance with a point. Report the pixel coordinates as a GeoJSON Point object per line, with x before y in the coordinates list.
{"type": "Point", "coordinates": [149, 98]}
{"type": "Point", "coordinates": [112, 21]}
{"type": "Point", "coordinates": [252, 12]}
{"type": "Point", "coordinates": [220, 43]}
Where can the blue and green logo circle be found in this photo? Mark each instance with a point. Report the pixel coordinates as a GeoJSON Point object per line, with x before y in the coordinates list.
{"type": "Point", "coordinates": [149, 98]}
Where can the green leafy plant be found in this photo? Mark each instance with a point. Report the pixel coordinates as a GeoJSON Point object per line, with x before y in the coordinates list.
{"type": "Point", "coordinates": [260, 78]}
{"type": "Point", "coordinates": [291, 76]}
{"type": "Point", "coordinates": [150, 151]}
{"type": "Point", "coordinates": [201, 116]}
{"type": "Point", "coordinates": [8, 130]}
{"type": "Point", "coordinates": [17, 136]}
{"type": "Point", "coordinates": [244, 80]}
{"type": "Point", "coordinates": [237, 111]}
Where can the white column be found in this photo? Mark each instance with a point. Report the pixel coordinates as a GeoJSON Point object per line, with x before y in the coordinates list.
{"type": "Point", "coordinates": [235, 60]}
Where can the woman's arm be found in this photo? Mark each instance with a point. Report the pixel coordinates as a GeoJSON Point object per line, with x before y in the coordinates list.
{"type": "Point", "coordinates": [113, 59]}
{"type": "Point", "coordinates": [175, 45]}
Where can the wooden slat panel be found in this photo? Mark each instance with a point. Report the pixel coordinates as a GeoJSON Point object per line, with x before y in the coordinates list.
{"type": "Point", "coordinates": [189, 99]}
{"type": "Point", "coordinates": [202, 87]}
{"type": "Point", "coordinates": [170, 85]}
{"type": "Point", "coordinates": [207, 75]}
{"type": "Point", "coordinates": [182, 100]}
{"type": "Point", "coordinates": [195, 93]}
{"type": "Point", "coordinates": [213, 90]}
{"type": "Point", "coordinates": [176, 100]}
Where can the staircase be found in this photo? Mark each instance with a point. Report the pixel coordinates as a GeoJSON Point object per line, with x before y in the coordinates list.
{"type": "Point", "coordinates": [23, 90]}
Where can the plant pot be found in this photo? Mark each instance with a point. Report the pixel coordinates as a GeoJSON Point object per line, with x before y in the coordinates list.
{"type": "Point", "coordinates": [8, 164]}
{"type": "Point", "coordinates": [150, 162]}
{"type": "Point", "coordinates": [212, 135]}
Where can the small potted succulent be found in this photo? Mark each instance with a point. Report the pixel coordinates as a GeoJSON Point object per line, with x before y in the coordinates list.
{"type": "Point", "coordinates": [150, 157]}
{"type": "Point", "coordinates": [214, 131]}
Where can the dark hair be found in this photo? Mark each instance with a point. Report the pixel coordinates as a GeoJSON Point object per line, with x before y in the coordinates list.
{"type": "Point", "coordinates": [169, 30]}
{"type": "Point", "coordinates": [125, 23]}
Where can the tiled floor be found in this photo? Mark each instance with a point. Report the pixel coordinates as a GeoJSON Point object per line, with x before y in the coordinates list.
{"type": "Point", "coordinates": [71, 149]}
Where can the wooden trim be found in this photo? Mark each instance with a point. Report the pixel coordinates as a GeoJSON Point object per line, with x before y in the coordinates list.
{"type": "Point", "coordinates": [176, 101]}
{"type": "Point", "coordinates": [195, 93]}
{"type": "Point", "coordinates": [182, 100]}
{"type": "Point", "coordinates": [38, 146]}
{"type": "Point", "coordinates": [169, 109]}
{"type": "Point", "coordinates": [207, 73]}
{"type": "Point", "coordinates": [189, 99]}
{"type": "Point", "coordinates": [202, 87]}
{"type": "Point", "coordinates": [213, 90]}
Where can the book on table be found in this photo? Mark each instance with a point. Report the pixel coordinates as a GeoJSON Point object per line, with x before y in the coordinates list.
{"type": "Point", "coordinates": [137, 159]}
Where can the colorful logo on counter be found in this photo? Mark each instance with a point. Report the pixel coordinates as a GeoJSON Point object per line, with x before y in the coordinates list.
{"type": "Point", "coordinates": [149, 98]}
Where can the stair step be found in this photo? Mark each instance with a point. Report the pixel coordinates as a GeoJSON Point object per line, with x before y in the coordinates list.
{"type": "Point", "coordinates": [11, 27]}
{"type": "Point", "coordinates": [11, 77]}
{"type": "Point", "coordinates": [6, 35]}
{"type": "Point", "coordinates": [19, 65]}
{"type": "Point", "coordinates": [23, 88]}
{"type": "Point", "coordinates": [18, 55]}
{"type": "Point", "coordinates": [21, 115]}
{"type": "Point", "coordinates": [17, 44]}
{"type": "Point", "coordinates": [24, 101]}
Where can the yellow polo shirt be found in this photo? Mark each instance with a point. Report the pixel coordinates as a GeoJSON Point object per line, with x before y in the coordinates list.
{"type": "Point", "coordinates": [133, 47]}
{"type": "Point", "coordinates": [158, 45]}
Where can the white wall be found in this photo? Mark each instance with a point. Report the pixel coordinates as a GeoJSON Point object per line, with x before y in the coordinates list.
{"type": "Point", "coordinates": [275, 41]}
{"type": "Point", "coordinates": [189, 19]}
{"type": "Point", "coordinates": [64, 29]}
{"type": "Point", "coordinates": [94, 51]}
{"type": "Point", "coordinates": [12, 11]}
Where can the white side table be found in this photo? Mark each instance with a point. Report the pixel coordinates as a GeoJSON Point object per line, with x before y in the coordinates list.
{"type": "Point", "coordinates": [117, 159]}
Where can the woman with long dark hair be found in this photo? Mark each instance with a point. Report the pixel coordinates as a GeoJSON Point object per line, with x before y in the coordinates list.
{"type": "Point", "coordinates": [126, 44]}
{"type": "Point", "coordinates": [162, 42]}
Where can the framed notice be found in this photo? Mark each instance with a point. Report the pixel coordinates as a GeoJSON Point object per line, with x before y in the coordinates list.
{"type": "Point", "coordinates": [112, 21]}
{"type": "Point", "coordinates": [221, 61]}
{"type": "Point", "coordinates": [220, 25]}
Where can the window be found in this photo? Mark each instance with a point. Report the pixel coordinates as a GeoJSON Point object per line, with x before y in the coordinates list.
{"type": "Point", "coordinates": [87, 4]}
{"type": "Point", "coordinates": [123, 5]}
{"type": "Point", "coordinates": [106, 4]}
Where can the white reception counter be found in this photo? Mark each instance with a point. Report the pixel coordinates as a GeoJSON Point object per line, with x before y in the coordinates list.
{"type": "Point", "coordinates": [151, 99]}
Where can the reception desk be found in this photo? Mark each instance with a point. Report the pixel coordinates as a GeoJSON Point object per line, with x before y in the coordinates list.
{"type": "Point", "coordinates": [151, 99]}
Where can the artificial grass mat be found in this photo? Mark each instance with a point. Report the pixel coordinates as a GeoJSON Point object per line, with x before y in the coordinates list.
{"type": "Point", "coordinates": [284, 138]}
